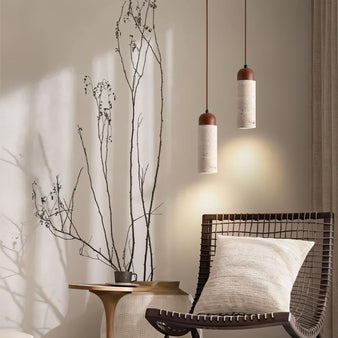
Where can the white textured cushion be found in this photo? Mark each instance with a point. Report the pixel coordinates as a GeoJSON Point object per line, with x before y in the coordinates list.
{"type": "Point", "coordinates": [252, 275]}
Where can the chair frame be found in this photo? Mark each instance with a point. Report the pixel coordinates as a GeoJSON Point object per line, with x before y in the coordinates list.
{"type": "Point", "coordinates": [310, 292]}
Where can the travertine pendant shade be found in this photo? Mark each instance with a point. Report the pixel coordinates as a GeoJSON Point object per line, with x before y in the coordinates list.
{"type": "Point", "coordinates": [207, 144]}
{"type": "Point", "coordinates": [246, 98]}
{"type": "Point", "coordinates": [207, 129]}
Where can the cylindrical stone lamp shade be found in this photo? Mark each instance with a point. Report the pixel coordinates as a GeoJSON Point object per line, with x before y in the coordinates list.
{"type": "Point", "coordinates": [246, 99]}
{"type": "Point", "coordinates": [207, 144]}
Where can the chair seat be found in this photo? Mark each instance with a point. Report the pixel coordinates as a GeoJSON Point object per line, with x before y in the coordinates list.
{"type": "Point", "coordinates": [178, 324]}
{"type": "Point", "coordinates": [14, 334]}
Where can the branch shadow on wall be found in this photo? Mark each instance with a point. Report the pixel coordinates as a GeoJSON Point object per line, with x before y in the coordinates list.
{"type": "Point", "coordinates": [27, 290]}
{"type": "Point", "coordinates": [16, 271]}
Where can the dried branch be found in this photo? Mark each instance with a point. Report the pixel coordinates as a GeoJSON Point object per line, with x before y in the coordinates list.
{"type": "Point", "coordinates": [141, 16]}
{"type": "Point", "coordinates": [56, 212]}
{"type": "Point", "coordinates": [45, 211]}
{"type": "Point", "coordinates": [94, 193]}
{"type": "Point", "coordinates": [160, 140]}
{"type": "Point", "coordinates": [104, 133]}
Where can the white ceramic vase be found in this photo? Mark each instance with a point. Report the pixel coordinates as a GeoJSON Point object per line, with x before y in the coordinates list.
{"type": "Point", "coordinates": [130, 318]}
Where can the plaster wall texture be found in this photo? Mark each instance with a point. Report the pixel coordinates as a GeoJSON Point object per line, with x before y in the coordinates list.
{"type": "Point", "coordinates": [46, 48]}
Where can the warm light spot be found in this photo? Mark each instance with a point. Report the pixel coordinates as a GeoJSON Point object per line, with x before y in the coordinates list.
{"type": "Point", "coordinates": [252, 162]}
{"type": "Point", "coordinates": [255, 172]}
{"type": "Point", "coordinates": [250, 179]}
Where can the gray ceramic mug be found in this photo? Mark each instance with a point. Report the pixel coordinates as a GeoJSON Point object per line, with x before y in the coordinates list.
{"type": "Point", "coordinates": [125, 276]}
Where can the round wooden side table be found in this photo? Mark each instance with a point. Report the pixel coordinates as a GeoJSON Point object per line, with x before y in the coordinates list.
{"type": "Point", "coordinates": [111, 294]}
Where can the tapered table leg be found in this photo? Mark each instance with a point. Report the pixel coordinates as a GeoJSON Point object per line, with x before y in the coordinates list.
{"type": "Point", "coordinates": [109, 300]}
{"type": "Point", "coordinates": [111, 294]}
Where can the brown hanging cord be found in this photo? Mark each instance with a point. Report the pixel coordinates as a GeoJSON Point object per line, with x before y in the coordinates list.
{"type": "Point", "coordinates": [245, 34]}
{"type": "Point", "coordinates": [206, 56]}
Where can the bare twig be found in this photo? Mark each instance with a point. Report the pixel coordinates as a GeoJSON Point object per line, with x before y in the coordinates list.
{"type": "Point", "coordinates": [56, 212]}
{"type": "Point", "coordinates": [94, 193]}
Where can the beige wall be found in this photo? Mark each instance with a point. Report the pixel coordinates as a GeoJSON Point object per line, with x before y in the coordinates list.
{"type": "Point", "coordinates": [46, 49]}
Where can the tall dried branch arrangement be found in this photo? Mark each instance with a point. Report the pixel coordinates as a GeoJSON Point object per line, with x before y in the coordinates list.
{"type": "Point", "coordinates": [56, 212]}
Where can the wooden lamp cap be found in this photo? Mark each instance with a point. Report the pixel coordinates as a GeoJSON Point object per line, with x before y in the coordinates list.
{"type": "Point", "coordinates": [246, 74]}
{"type": "Point", "coordinates": [207, 119]}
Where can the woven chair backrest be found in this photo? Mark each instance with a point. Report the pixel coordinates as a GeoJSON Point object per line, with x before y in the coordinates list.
{"type": "Point", "coordinates": [309, 295]}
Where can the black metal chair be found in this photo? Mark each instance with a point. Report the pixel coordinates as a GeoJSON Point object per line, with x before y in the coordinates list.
{"type": "Point", "coordinates": [310, 292]}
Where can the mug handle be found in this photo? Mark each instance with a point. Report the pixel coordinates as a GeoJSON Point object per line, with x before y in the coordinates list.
{"type": "Point", "coordinates": [133, 274]}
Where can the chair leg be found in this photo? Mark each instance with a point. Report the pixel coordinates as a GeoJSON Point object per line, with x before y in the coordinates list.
{"type": "Point", "coordinates": [194, 333]}
{"type": "Point", "coordinates": [166, 336]}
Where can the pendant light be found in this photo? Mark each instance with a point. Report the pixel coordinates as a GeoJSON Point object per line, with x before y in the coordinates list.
{"type": "Point", "coordinates": [246, 90]}
{"type": "Point", "coordinates": [207, 128]}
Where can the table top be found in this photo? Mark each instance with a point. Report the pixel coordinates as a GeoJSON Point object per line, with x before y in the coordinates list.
{"type": "Point", "coordinates": [161, 287]}
{"type": "Point", "coordinates": [110, 287]}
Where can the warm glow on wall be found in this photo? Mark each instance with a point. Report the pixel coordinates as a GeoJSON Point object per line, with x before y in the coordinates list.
{"type": "Point", "coordinates": [253, 178]}
{"type": "Point", "coordinates": [205, 197]}
{"type": "Point", "coordinates": [253, 162]}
